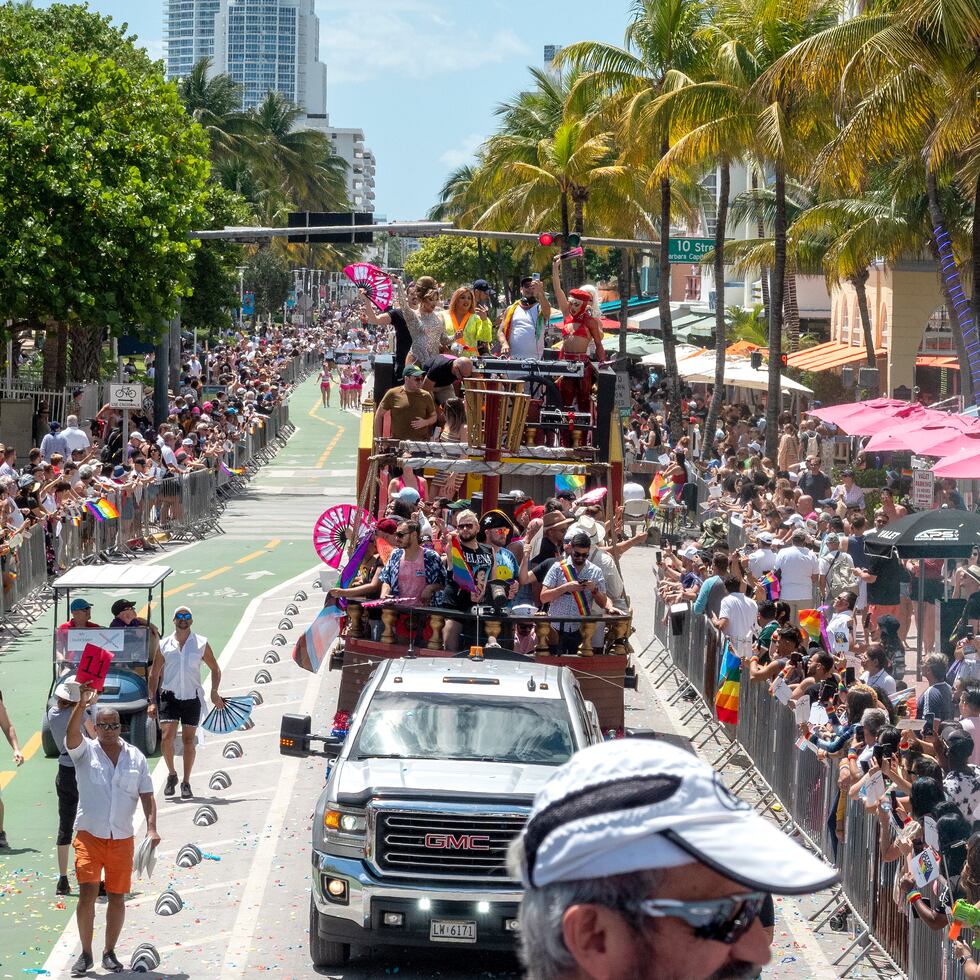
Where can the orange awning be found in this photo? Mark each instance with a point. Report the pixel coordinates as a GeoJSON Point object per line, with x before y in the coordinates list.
{"type": "Point", "coordinates": [825, 357]}
{"type": "Point", "coordinates": [742, 348]}
{"type": "Point", "coordinates": [938, 361]}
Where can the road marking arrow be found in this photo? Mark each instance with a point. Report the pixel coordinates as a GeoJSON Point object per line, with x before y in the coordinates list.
{"type": "Point", "coordinates": [254, 575]}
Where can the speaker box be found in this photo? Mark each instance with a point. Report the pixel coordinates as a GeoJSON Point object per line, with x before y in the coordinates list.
{"type": "Point", "coordinates": [605, 410]}
{"type": "Point", "coordinates": [384, 375]}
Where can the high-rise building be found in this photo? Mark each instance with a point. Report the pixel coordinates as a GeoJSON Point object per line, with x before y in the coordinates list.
{"type": "Point", "coordinates": [348, 144]}
{"type": "Point", "coordinates": [550, 53]}
{"type": "Point", "coordinates": [188, 28]}
{"type": "Point", "coordinates": [272, 46]}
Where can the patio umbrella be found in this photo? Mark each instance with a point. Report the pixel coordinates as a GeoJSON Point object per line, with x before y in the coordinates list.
{"type": "Point", "coordinates": [942, 533]}
{"type": "Point", "coordinates": [909, 435]}
{"type": "Point", "coordinates": [872, 421]}
{"type": "Point", "coordinates": [962, 465]}
{"type": "Point", "coordinates": [835, 413]}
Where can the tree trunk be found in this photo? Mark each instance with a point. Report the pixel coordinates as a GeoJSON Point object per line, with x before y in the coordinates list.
{"type": "Point", "coordinates": [939, 224]}
{"type": "Point", "coordinates": [792, 311]}
{"type": "Point", "coordinates": [721, 340]}
{"type": "Point", "coordinates": [86, 352]}
{"type": "Point", "coordinates": [858, 282]}
{"type": "Point", "coordinates": [663, 305]}
{"type": "Point", "coordinates": [976, 258]}
{"type": "Point", "coordinates": [760, 232]}
{"type": "Point", "coordinates": [776, 286]}
{"type": "Point", "coordinates": [479, 257]}
{"type": "Point", "coordinates": [49, 354]}
{"type": "Point", "coordinates": [624, 297]}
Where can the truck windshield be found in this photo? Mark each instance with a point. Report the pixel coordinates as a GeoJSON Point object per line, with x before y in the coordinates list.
{"type": "Point", "coordinates": [460, 727]}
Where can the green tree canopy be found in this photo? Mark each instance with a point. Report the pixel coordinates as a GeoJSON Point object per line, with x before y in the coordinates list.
{"type": "Point", "coordinates": [267, 275]}
{"type": "Point", "coordinates": [102, 175]}
{"type": "Point", "coordinates": [448, 259]}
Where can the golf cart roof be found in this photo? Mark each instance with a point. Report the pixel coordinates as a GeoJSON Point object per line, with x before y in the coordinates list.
{"type": "Point", "coordinates": [112, 577]}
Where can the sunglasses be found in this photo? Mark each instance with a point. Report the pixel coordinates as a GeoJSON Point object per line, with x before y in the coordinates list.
{"type": "Point", "coordinates": [722, 920]}
{"type": "Point", "coordinates": [580, 554]}
{"type": "Point", "coordinates": [109, 726]}
{"type": "Point", "coordinates": [402, 534]}
{"type": "Point", "coordinates": [183, 617]}
{"type": "Point", "coordinates": [462, 526]}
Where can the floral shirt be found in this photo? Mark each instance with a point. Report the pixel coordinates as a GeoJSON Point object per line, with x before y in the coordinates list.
{"type": "Point", "coordinates": [435, 571]}
{"type": "Point", "coordinates": [963, 788]}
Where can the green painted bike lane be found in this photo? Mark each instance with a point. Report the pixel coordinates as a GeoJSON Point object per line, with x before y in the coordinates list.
{"type": "Point", "coordinates": [268, 542]}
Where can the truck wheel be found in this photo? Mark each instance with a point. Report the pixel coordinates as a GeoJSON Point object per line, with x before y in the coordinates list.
{"type": "Point", "coordinates": [322, 951]}
{"type": "Point", "coordinates": [47, 741]}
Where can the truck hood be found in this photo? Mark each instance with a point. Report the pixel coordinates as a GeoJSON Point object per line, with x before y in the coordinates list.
{"type": "Point", "coordinates": [354, 783]}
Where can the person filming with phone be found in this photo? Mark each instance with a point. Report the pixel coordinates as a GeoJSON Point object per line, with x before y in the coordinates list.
{"type": "Point", "coordinates": [521, 331]}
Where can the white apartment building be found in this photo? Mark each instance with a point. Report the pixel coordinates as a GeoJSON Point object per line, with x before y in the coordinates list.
{"type": "Point", "coordinates": [188, 30]}
{"type": "Point", "coordinates": [348, 144]}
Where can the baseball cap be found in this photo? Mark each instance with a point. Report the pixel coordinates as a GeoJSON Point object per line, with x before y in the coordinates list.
{"type": "Point", "coordinates": [121, 605]}
{"type": "Point", "coordinates": [387, 526]}
{"type": "Point", "coordinates": [796, 519]}
{"type": "Point", "coordinates": [183, 609]}
{"type": "Point", "coordinates": [482, 285]}
{"type": "Point", "coordinates": [54, 426]}
{"type": "Point", "coordinates": [527, 280]}
{"type": "Point", "coordinates": [565, 495]}
{"type": "Point", "coordinates": [118, 471]}
{"type": "Point", "coordinates": [412, 371]}
{"type": "Point", "coordinates": [689, 552]}
{"type": "Point", "coordinates": [765, 537]}
{"type": "Point", "coordinates": [77, 604]}
{"type": "Point", "coordinates": [409, 494]}
{"type": "Point", "coordinates": [27, 481]}
{"type": "Point", "coordinates": [635, 805]}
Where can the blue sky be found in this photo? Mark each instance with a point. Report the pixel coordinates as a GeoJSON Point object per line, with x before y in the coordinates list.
{"type": "Point", "coordinates": [421, 77]}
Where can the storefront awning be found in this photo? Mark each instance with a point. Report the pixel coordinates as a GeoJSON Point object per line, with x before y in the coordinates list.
{"type": "Point", "coordinates": [825, 357]}
{"type": "Point", "coordinates": [938, 361]}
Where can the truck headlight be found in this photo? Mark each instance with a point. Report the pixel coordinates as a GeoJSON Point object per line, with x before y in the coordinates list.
{"type": "Point", "coordinates": [344, 822]}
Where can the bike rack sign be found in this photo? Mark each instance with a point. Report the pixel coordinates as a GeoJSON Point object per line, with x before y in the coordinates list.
{"type": "Point", "coordinates": [127, 395]}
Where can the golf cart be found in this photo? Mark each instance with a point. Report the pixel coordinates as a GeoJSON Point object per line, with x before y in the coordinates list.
{"type": "Point", "coordinates": [132, 647]}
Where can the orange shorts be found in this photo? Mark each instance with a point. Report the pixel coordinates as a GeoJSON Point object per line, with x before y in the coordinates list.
{"type": "Point", "coordinates": [93, 855]}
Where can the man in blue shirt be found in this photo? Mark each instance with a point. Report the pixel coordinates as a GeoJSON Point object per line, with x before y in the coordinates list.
{"type": "Point", "coordinates": [713, 588]}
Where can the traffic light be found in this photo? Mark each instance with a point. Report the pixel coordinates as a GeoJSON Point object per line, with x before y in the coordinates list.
{"type": "Point", "coordinates": [546, 239]}
{"type": "Point", "coordinates": [550, 238]}
{"type": "Point", "coordinates": [756, 360]}
{"type": "Point", "coordinates": [573, 241]}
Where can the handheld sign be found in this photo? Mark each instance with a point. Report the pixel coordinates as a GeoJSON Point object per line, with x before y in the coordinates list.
{"type": "Point", "coordinates": [93, 666]}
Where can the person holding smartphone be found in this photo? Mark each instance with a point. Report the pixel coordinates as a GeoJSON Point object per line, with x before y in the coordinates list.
{"type": "Point", "coordinates": [521, 331]}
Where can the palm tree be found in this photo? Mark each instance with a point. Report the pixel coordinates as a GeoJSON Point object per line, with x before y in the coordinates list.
{"type": "Point", "coordinates": [215, 103]}
{"type": "Point", "coordinates": [662, 46]}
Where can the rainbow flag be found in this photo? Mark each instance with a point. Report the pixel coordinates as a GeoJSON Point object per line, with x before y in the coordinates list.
{"type": "Point", "coordinates": [230, 470]}
{"type": "Point", "coordinates": [354, 565]}
{"type": "Point", "coordinates": [771, 584]}
{"type": "Point", "coordinates": [101, 509]}
{"type": "Point", "coordinates": [312, 646]}
{"type": "Point", "coordinates": [729, 683]}
{"type": "Point", "coordinates": [811, 621]}
{"type": "Point", "coordinates": [460, 570]}
{"type": "Point", "coordinates": [659, 489]}
{"type": "Point", "coordinates": [570, 481]}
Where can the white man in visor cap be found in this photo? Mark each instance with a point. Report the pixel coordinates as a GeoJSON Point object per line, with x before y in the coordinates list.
{"type": "Point", "coordinates": [639, 864]}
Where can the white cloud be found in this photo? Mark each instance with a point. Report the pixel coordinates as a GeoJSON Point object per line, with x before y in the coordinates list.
{"type": "Point", "coordinates": [407, 38]}
{"type": "Point", "coordinates": [456, 156]}
{"type": "Point", "coordinates": [156, 48]}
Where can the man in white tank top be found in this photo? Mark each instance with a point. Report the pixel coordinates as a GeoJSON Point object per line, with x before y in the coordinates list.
{"type": "Point", "coordinates": [176, 673]}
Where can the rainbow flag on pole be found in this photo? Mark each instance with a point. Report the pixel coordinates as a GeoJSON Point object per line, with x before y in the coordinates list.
{"type": "Point", "coordinates": [729, 684]}
{"type": "Point", "coordinates": [101, 509]}
{"type": "Point", "coordinates": [659, 489]}
{"type": "Point", "coordinates": [570, 481]}
{"type": "Point", "coordinates": [230, 470]}
{"type": "Point", "coordinates": [811, 621]}
{"type": "Point", "coordinates": [460, 570]}
{"type": "Point", "coordinates": [771, 584]}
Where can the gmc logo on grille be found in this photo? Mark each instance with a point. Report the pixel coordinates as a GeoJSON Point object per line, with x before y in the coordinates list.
{"type": "Point", "coordinates": [463, 842]}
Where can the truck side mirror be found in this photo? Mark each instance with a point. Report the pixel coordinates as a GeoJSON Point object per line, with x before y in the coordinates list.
{"type": "Point", "coordinates": [294, 736]}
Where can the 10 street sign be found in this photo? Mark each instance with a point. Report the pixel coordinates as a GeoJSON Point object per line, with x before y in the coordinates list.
{"type": "Point", "coordinates": [689, 249]}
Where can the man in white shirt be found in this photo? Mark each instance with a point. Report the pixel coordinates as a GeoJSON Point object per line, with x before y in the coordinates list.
{"type": "Point", "coordinates": [737, 616]}
{"type": "Point", "coordinates": [194, 366]}
{"type": "Point", "coordinates": [74, 436]}
{"type": "Point", "coordinates": [9, 465]}
{"type": "Point", "coordinates": [797, 568]}
{"type": "Point", "coordinates": [112, 776]}
{"type": "Point", "coordinates": [762, 560]}
{"type": "Point", "coordinates": [840, 626]}
{"type": "Point", "coordinates": [875, 663]}
{"type": "Point", "coordinates": [836, 570]}
{"type": "Point", "coordinates": [519, 333]}
{"type": "Point", "coordinates": [177, 671]}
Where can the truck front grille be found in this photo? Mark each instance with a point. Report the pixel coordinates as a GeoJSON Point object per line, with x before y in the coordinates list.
{"type": "Point", "coordinates": [454, 845]}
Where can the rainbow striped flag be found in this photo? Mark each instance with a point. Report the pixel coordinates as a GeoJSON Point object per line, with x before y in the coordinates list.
{"type": "Point", "coordinates": [101, 509]}
{"type": "Point", "coordinates": [460, 570]}
{"type": "Point", "coordinates": [353, 566]}
{"type": "Point", "coordinates": [659, 489]}
{"type": "Point", "coordinates": [230, 470]}
{"type": "Point", "coordinates": [570, 481]}
{"type": "Point", "coordinates": [729, 683]}
{"type": "Point", "coordinates": [771, 584]}
{"type": "Point", "coordinates": [312, 646]}
{"type": "Point", "coordinates": [812, 622]}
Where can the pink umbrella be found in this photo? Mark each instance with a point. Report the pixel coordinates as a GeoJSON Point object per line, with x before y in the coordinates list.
{"type": "Point", "coordinates": [963, 465]}
{"type": "Point", "coordinates": [929, 440]}
{"type": "Point", "coordinates": [869, 423]}
{"type": "Point", "coordinates": [836, 413]}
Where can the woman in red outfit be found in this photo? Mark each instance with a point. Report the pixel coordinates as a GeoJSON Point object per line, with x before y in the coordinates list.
{"type": "Point", "coordinates": [580, 329]}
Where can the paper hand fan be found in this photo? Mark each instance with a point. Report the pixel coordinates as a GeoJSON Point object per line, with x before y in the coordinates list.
{"type": "Point", "coordinates": [373, 281]}
{"type": "Point", "coordinates": [232, 717]}
{"type": "Point", "coordinates": [335, 527]}
{"type": "Point", "coordinates": [592, 497]}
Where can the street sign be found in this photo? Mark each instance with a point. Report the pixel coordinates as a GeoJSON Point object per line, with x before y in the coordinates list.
{"type": "Point", "coordinates": [126, 395]}
{"type": "Point", "coordinates": [689, 249]}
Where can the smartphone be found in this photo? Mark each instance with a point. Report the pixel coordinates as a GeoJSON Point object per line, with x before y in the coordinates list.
{"type": "Point", "coordinates": [929, 728]}
{"type": "Point", "coordinates": [849, 677]}
{"type": "Point", "coordinates": [536, 276]}
{"type": "Point", "coordinates": [859, 732]}
{"type": "Point", "coordinates": [879, 753]}
{"type": "Point", "coordinates": [969, 632]}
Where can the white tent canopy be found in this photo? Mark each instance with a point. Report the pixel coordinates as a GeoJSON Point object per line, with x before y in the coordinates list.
{"type": "Point", "coordinates": [657, 359]}
{"type": "Point", "coordinates": [739, 373]}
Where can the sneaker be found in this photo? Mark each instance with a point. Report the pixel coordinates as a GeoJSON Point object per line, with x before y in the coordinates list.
{"type": "Point", "coordinates": [171, 787]}
{"type": "Point", "coordinates": [110, 963]}
{"type": "Point", "coordinates": [82, 965]}
{"type": "Point", "coordinates": [3, 839]}
{"type": "Point", "coordinates": [185, 791]}
{"type": "Point", "coordinates": [63, 887]}
{"type": "Point", "coordinates": [102, 892]}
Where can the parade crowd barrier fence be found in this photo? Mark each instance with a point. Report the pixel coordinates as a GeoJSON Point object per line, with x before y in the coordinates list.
{"type": "Point", "coordinates": [186, 507]}
{"type": "Point", "coordinates": [801, 791]}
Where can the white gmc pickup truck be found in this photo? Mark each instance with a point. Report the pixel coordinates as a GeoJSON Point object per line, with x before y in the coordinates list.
{"type": "Point", "coordinates": [433, 780]}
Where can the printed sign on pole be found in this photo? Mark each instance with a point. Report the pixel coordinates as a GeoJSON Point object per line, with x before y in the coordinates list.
{"type": "Point", "coordinates": [126, 395]}
{"type": "Point", "coordinates": [923, 487]}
